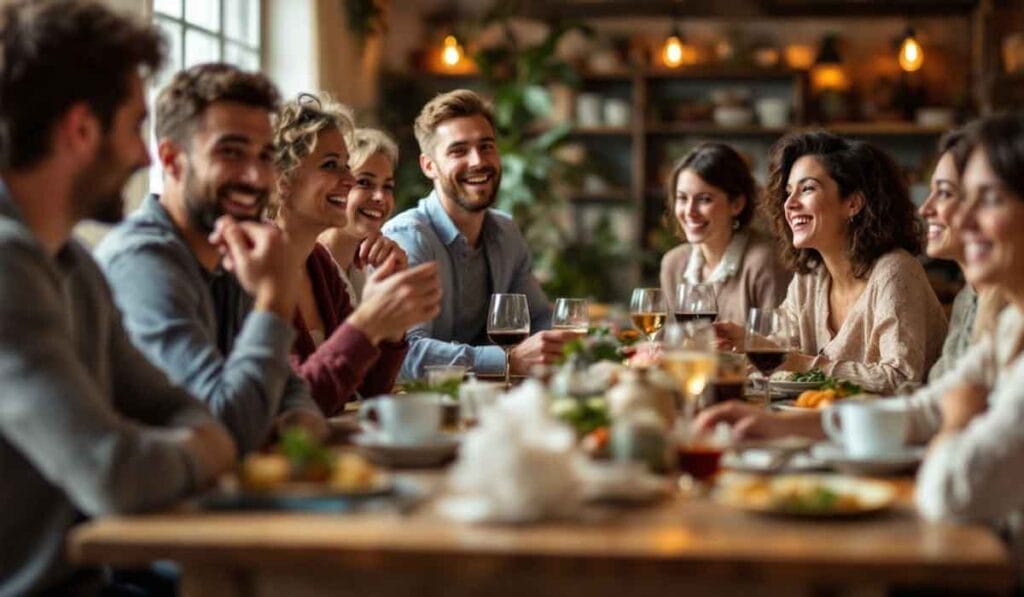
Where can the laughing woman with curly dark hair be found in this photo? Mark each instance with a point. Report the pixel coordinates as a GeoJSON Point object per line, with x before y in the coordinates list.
{"type": "Point", "coordinates": [861, 302]}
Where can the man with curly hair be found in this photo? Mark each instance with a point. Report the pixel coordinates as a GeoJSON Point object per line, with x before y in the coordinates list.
{"type": "Point", "coordinates": [207, 289]}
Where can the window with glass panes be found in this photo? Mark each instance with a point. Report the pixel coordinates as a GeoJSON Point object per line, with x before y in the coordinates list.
{"type": "Point", "coordinates": [210, 31]}
{"type": "Point", "coordinates": [199, 31]}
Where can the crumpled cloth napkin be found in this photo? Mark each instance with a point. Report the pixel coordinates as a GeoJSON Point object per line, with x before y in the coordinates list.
{"type": "Point", "coordinates": [518, 465]}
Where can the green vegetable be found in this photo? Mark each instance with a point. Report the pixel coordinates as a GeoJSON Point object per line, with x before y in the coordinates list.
{"type": "Point", "coordinates": [842, 387]}
{"type": "Point", "coordinates": [821, 499]}
{"type": "Point", "coordinates": [303, 450]}
{"type": "Point", "coordinates": [582, 414]}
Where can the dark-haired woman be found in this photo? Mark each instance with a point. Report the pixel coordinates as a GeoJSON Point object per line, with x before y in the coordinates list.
{"type": "Point", "coordinates": [862, 304]}
{"type": "Point", "coordinates": [709, 204]}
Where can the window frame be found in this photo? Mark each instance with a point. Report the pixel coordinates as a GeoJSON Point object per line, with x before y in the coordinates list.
{"type": "Point", "coordinates": [223, 39]}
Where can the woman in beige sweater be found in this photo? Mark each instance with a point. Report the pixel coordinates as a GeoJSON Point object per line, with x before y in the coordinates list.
{"type": "Point", "coordinates": [862, 305]}
{"type": "Point", "coordinates": [709, 204]}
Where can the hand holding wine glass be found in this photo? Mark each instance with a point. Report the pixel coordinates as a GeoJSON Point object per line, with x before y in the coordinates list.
{"type": "Point", "coordinates": [767, 341]}
{"type": "Point", "coordinates": [508, 323]}
{"type": "Point", "coordinates": [648, 311]}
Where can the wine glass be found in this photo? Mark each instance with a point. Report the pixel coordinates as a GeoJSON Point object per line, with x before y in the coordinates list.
{"type": "Point", "coordinates": [571, 314]}
{"type": "Point", "coordinates": [508, 324]}
{"type": "Point", "coordinates": [688, 355]}
{"type": "Point", "coordinates": [648, 311]}
{"type": "Point", "coordinates": [766, 342]}
{"type": "Point", "coordinates": [696, 302]}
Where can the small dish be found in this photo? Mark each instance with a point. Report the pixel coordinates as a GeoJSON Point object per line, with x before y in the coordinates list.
{"type": "Point", "coordinates": [379, 449]}
{"type": "Point", "coordinates": [836, 457]}
{"type": "Point", "coordinates": [763, 461]}
{"type": "Point", "coordinates": [790, 406]}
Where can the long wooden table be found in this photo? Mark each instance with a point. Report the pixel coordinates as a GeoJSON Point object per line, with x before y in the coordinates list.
{"type": "Point", "coordinates": [677, 545]}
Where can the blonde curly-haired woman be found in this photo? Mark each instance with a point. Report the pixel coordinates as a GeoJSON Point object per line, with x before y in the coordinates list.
{"type": "Point", "coordinates": [340, 350]}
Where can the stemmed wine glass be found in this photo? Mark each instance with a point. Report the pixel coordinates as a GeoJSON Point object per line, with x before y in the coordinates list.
{"type": "Point", "coordinates": [767, 341]}
{"type": "Point", "coordinates": [696, 302]}
{"type": "Point", "coordinates": [508, 324]}
{"type": "Point", "coordinates": [571, 314]}
{"type": "Point", "coordinates": [648, 311]}
{"type": "Point", "coordinates": [688, 355]}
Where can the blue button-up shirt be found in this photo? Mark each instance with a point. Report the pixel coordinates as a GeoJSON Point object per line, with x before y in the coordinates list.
{"type": "Point", "coordinates": [427, 233]}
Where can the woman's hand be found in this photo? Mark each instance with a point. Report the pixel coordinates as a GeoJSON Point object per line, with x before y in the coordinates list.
{"type": "Point", "coordinates": [754, 422]}
{"type": "Point", "coordinates": [961, 404]}
{"type": "Point", "coordinates": [729, 336]}
{"type": "Point", "coordinates": [374, 251]}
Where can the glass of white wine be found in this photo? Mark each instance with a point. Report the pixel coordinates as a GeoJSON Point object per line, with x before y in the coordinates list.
{"type": "Point", "coordinates": [571, 314]}
{"type": "Point", "coordinates": [688, 355]}
{"type": "Point", "coordinates": [648, 311]}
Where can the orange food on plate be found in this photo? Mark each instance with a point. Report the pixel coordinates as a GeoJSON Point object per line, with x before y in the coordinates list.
{"type": "Point", "coordinates": [816, 398]}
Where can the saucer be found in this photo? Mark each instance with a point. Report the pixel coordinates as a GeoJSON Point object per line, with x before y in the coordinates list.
{"type": "Point", "coordinates": [383, 451]}
{"type": "Point", "coordinates": [834, 456]}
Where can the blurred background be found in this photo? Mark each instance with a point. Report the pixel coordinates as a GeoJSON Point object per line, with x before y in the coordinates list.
{"type": "Point", "coordinates": [596, 98]}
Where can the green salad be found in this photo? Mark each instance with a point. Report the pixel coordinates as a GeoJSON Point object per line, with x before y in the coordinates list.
{"type": "Point", "coordinates": [841, 387]}
{"type": "Point", "coordinates": [582, 414]}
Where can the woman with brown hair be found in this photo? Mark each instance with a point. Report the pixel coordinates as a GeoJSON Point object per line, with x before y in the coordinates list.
{"type": "Point", "coordinates": [709, 204]}
{"type": "Point", "coordinates": [862, 305]}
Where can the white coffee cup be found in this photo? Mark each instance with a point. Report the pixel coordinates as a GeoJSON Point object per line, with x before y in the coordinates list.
{"type": "Point", "coordinates": [867, 428]}
{"type": "Point", "coordinates": [617, 112]}
{"type": "Point", "coordinates": [404, 419]}
{"type": "Point", "coordinates": [476, 396]}
{"type": "Point", "coordinates": [773, 112]}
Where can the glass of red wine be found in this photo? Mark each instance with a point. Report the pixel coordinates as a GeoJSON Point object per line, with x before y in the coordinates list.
{"type": "Point", "coordinates": [508, 324]}
{"type": "Point", "coordinates": [766, 342]}
{"type": "Point", "coordinates": [696, 302]}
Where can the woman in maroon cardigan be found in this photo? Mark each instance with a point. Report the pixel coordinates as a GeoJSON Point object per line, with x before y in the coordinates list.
{"type": "Point", "coordinates": [340, 350]}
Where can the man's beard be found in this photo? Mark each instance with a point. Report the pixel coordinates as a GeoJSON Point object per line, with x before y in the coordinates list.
{"type": "Point", "coordinates": [98, 188]}
{"type": "Point", "coordinates": [205, 204]}
{"type": "Point", "coordinates": [451, 190]}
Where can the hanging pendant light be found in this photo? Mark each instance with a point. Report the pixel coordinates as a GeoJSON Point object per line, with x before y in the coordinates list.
{"type": "Point", "coordinates": [911, 55]}
{"type": "Point", "coordinates": [451, 52]}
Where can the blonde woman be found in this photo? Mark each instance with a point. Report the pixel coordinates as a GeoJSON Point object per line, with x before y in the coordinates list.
{"type": "Point", "coordinates": [360, 244]}
{"type": "Point", "coordinates": [338, 349]}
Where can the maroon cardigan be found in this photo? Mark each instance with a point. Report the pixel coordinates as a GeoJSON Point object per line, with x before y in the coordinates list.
{"type": "Point", "coordinates": [346, 360]}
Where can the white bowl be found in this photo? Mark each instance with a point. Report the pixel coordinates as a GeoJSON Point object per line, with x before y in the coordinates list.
{"type": "Point", "coordinates": [732, 117]}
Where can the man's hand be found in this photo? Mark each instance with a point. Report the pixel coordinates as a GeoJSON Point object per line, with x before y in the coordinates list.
{"type": "Point", "coordinates": [540, 348]}
{"type": "Point", "coordinates": [213, 449]}
{"type": "Point", "coordinates": [259, 257]}
{"type": "Point", "coordinates": [313, 422]}
{"type": "Point", "coordinates": [394, 301]}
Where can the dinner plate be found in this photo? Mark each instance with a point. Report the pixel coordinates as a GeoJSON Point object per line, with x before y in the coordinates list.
{"type": "Point", "coordinates": [434, 452]}
{"type": "Point", "coordinates": [819, 496]}
{"type": "Point", "coordinates": [793, 388]}
{"type": "Point", "coordinates": [761, 461]}
{"type": "Point", "coordinates": [790, 406]}
{"type": "Point", "coordinates": [836, 457]}
{"type": "Point", "coordinates": [305, 496]}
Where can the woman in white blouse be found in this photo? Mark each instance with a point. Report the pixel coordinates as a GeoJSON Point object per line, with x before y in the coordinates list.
{"type": "Point", "coordinates": [973, 415]}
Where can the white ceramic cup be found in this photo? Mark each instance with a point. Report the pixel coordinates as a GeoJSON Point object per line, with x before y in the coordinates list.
{"type": "Point", "coordinates": [476, 396]}
{"type": "Point", "coordinates": [617, 112]}
{"type": "Point", "coordinates": [404, 419]}
{"type": "Point", "coordinates": [867, 429]}
{"type": "Point", "coordinates": [773, 112]}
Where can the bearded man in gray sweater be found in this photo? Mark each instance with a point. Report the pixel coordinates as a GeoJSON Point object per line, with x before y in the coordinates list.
{"type": "Point", "coordinates": [87, 425]}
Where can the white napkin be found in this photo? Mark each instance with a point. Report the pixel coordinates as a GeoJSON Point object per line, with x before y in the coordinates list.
{"type": "Point", "coordinates": [518, 465]}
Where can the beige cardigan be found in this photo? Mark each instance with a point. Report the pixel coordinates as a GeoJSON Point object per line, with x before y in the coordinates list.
{"type": "Point", "coordinates": [760, 281]}
{"type": "Point", "coordinates": [892, 334]}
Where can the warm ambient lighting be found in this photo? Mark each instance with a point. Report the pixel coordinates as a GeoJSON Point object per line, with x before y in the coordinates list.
{"type": "Point", "coordinates": [672, 54]}
{"type": "Point", "coordinates": [451, 55]}
{"type": "Point", "coordinates": [911, 54]}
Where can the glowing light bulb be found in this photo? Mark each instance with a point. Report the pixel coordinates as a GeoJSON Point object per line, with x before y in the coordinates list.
{"type": "Point", "coordinates": [451, 55]}
{"type": "Point", "coordinates": [911, 54]}
{"type": "Point", "coordinates": [672, 53]}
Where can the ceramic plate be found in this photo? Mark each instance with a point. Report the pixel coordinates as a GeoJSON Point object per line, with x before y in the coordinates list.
{"type": "Point", "coordinates": [790, 406]}
{"type": "Point", "coordinates": [808, 496]}
{"type": "Point", "coordinates": [834, 456]}
{"type": "Point", "coordinates": [434, 452]}
{"type": "Point", "coordinates": [302, 496]}
{"type": "Point", "coordinates": [760, 461]}
{"type": "Point", "coordinates": [793, 388]}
